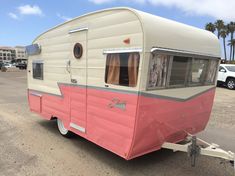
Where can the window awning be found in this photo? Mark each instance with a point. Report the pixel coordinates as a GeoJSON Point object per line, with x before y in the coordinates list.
{"type": "Point", "coordinates": [122, 50]}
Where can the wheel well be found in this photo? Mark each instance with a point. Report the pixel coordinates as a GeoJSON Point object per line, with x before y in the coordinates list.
{"type": "Point", "coordinates": [229, 77]}
{"type": "Point", "coordinates": [53, 118]}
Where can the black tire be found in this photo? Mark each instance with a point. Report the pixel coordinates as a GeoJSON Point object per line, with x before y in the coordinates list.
{"type": "Point", "coordinates": [219, 83]}
{"type": "Point", "coordinates": [63, 131]}
{"type": "Point", "coordinates": [230, 83]}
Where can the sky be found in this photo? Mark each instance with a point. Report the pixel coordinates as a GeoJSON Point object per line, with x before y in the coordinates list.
{"type": "Point", "coordinates": [22, 21]}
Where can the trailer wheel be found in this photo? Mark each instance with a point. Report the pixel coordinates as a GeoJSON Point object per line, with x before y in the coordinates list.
{"type": "Point", "coordinates": [63, 131]}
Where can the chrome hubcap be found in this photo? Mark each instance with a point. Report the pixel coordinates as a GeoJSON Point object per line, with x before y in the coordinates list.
{"type": "Point", "coordinates": [61, 127]}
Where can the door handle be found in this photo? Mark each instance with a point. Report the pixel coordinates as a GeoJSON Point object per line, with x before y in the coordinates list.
{"type": "Point", "coordinates": [68, 64]}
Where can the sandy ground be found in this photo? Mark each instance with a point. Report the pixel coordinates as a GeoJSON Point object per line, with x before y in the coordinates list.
{"type": "Point", "coordinates": [30, 145]}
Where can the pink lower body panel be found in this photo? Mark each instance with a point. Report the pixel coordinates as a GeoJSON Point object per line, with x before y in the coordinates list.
{"type": "Point", "coordinates": [126, 123]}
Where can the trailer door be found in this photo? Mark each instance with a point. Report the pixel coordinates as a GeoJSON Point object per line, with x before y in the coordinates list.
{"type": "Point", "coordinates": [78, 72]}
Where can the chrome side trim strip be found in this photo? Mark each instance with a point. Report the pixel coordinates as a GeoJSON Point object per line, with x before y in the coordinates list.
{"type": "Point", "coordinates": [122, 50]}
{"type": "Point", "coordinates": [183, 52]}
{"type": "Point", "coordinates": [77, 127]}
{"type": "Point", "coordinates": [78, 30]}
{"type": "Point", "coordinates": [36, 94]}
{"type": "Point", "coordinates": [145, 94]}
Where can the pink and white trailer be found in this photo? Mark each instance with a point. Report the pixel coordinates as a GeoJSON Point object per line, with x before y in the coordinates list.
{"type": "Point", "coordinates": [128, 81]}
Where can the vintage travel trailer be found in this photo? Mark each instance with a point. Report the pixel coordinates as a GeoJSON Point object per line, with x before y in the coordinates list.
{"type": "Point", "coordinates": [126, 80]}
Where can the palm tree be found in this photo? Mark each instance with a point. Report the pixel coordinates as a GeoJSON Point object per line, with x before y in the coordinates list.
{"type": "Point", "coordinates": [219, 25]}
{"type": "Point", "coordinates": [210, 27]}
{"type": "Point", "coordinates": [223, 34]}
{"type": "Point", "coordinates": [232, 43]}
{"type": "Point", "coordinates": [231, 30]}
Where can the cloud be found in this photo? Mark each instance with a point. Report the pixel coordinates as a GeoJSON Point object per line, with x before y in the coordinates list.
{"type": "Point", "coordinates": [65, 18]}
{"type": "Point", "coordinates": [25, 10]}
{"type": "Point", "coordinates": [13, 16]}
{"type": "Point", "coordinates": [30, 10]}
{"type": "Point", "coordinates": [110, 1]}
{"type": "Point", "coordinates": [101, 1]}
{"type": "Point", "coordinates": [219, 9]}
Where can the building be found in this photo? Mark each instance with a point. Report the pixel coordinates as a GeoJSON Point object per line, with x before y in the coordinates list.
{"type": "Point", "coordinates": [20, 54]}
{"type": "Point", "coordinates": [12, 54]}
{"type": "Point", "coordinates": [7, 54]}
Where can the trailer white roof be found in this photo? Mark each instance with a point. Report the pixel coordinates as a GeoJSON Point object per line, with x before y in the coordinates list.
{"type": "Point", "coordinates": [164, 33]}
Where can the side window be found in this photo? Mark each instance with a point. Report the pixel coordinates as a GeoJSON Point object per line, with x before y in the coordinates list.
{"type": "Point", "coordinates": [221, 68]}
{"type": "Point", "coordinates": [38, 70]}
{"type": "Point", "coordinates": [122, 69]}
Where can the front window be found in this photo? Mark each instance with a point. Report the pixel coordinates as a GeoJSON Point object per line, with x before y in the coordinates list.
{"type": "Point", "coordinates": [197, 74]}
{"type": "Point", "coordinates": [231, 68]}
{"type": "Point", "coordinates": [166, 71]}
{"type": "Point", "coordinates": [122, 69]}
{"type": "Point", "coordinates": [179, 71]}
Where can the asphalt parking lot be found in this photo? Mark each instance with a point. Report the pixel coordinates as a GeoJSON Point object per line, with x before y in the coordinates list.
{"type": "Point", "coordinates": [30, 145]}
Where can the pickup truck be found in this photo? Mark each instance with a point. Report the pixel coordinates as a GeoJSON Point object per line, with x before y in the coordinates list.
{"type": "Point", "coordinates": [226, 75]}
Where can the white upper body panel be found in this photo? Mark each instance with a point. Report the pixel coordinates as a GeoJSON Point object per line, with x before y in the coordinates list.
{"type": "Point", "coordinates": [107, 29]}
{"type": "Point", "coordinates": [165, 33]}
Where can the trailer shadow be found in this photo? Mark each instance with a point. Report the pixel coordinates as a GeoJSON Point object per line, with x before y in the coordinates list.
{"type": "Point", "coordinates": [162, 162]}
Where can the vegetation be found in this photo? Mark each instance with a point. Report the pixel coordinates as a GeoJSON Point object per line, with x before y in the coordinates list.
{"type": "Point", "coordinates": [223, 31]}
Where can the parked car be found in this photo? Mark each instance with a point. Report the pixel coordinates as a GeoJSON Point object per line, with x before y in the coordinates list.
{"type": "Point", "coordinates": [21, 66]}
{"type": "Point", "coordinates": [226, 75]}
{"type": "Point", "coordinates": [6, 65]}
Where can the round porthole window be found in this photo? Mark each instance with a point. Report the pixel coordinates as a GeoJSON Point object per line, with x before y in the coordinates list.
{"type": "Point", "coordinates": [77, 50]}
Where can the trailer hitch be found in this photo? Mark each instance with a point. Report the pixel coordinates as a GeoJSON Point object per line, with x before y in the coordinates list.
{"type": "Point", "coordinates": [195, 146]}
{"type": "Point", "coordinates": [193, 151]}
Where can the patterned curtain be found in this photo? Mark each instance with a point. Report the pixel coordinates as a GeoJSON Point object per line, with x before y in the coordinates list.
{"type": "Point", "coordinates": [158, 70]}
{"type": "Point", "coordinates": [212, 69]}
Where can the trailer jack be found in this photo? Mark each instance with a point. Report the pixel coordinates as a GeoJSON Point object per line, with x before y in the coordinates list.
{"type": "Point", "coordinates": [195, 146]}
